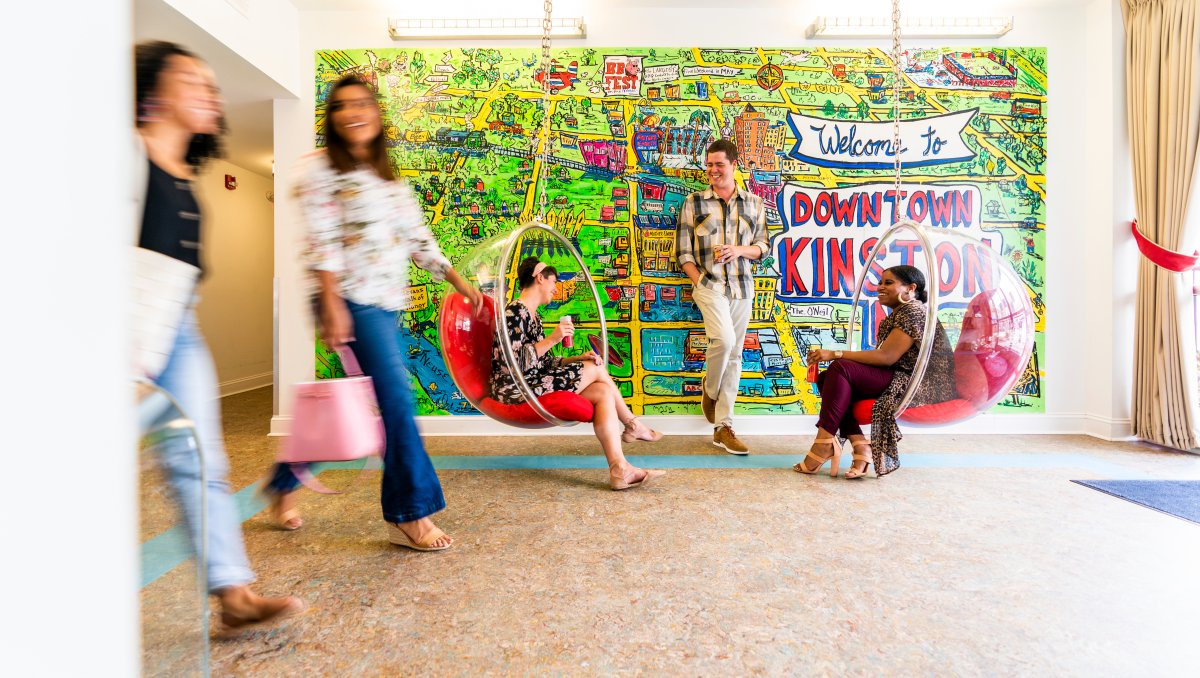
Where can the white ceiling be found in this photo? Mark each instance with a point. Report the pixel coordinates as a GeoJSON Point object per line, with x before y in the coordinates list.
{"type": "Point", "coordinates": [533, 8]}
{"type": "Point", "coordinates": [248, 92]}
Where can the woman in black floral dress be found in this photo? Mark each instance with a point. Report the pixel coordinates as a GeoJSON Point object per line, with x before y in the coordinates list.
{"type": "Point", "coordinates": [584, 374]}
{"type": "Point", "coordinates": [884, 374]}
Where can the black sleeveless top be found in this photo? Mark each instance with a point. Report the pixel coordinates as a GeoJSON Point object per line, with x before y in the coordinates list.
{"type": "Point", "coordinates": [171, 221]}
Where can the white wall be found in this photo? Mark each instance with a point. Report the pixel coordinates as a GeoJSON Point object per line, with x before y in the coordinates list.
{"type": "Point", "coordinates": [265, 36]}
{"type": "Point", "coordinates": [235, 311]}
{"type": "Point", "coordinates": [68, 513]}
{"type": "Point", "coordinates": [1109, 258]}
{"type": "Point", "coordinates": [1087, 333]}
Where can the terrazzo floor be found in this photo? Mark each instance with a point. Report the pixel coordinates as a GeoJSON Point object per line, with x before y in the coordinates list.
{"type": "Point", "coordinates": [979, 558]}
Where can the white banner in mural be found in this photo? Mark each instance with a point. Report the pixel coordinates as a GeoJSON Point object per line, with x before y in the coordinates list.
{"type": "Point", "coordinates": [934, 140]}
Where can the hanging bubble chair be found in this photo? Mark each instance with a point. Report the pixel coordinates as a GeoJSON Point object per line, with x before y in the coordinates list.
{"type": "Point", "coordinates": [980, 301]}
{"type": "Point", "coordinates": [973, 291]}
{"type": "Point", "coordinates": [467, 335]}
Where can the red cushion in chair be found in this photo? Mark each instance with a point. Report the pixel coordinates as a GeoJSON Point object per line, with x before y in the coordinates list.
{"type": "Point", "coordinates": [970, 379]}
{"type": "Point", "coordinates": [925, 415]}
{"type": "Point", "coordinates": [862, 411]}
{"type": "Point", "coordinates": [566, 405]}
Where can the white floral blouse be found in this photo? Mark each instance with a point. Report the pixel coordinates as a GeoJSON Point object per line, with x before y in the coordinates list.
{"type": "Point", "coordinates": [365, 229]}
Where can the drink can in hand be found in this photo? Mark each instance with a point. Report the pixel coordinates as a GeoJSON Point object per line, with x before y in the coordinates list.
{"type": "Point", "coordinates": [569, 340]}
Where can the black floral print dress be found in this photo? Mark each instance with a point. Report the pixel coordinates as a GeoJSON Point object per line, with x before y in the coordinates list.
{"type": "Point", "coordinates": [544, 374]}
{"type": "Point", "coordinates": [936, 386]}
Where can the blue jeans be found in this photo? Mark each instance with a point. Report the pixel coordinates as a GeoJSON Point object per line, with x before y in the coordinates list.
{"type": "Point", "coordinates": [411, 489]}
{"type": "Point", "coordinates": [190, 378]}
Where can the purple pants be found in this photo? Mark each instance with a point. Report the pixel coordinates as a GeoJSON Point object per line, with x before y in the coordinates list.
{"type": "Point", "coordinates": [844, 383]}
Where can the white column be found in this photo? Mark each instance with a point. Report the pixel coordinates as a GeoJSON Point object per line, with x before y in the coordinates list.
{"type": "Point", "coordinates": [68, 512]}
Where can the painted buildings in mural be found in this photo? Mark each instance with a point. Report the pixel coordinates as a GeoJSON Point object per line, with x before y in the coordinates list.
{"type": "Point", "coordinates": [628, 133]}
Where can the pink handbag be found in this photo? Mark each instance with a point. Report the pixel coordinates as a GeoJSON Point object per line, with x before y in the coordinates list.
{"type": "Point", "coordinates": [333, 420]}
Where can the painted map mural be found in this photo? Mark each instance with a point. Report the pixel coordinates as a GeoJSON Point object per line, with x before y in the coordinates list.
{"type": "Point", "coordinates": [629, 128]}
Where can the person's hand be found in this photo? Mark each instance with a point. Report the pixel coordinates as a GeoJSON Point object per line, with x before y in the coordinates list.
{"type": "Point", "coordinates": [819, 355]}
{"type": "Point", "coordinates": [556, 335]}
{"type": "Point", "coordinates": [474, 296]}
{"type": "Point", "coordinates": [564, 329]}
{"type": "Point", "coordinates": [337, 327]}
{"type": "Point", "coordinates": [590, 355]}
{"type": "Point", "coordinates": [724, 254]}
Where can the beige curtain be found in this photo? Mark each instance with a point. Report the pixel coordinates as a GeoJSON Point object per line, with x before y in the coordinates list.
{"type": "Point", "coordinates": [1162, 45]}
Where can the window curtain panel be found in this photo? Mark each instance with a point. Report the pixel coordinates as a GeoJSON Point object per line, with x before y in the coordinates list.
{"type": "Point", "coordinates": [1162, 44]}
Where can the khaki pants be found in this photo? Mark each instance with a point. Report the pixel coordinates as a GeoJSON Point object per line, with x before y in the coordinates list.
{"type": "Point", "coordinates": [725, 322]}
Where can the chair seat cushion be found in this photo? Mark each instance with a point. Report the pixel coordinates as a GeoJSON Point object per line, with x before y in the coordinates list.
{"type": "Point", "coordinates": [925, 415]}
{"type": "Point", "coordinates": [566, 405]}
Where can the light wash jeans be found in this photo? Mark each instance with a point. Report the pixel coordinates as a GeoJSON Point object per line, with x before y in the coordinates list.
{"type": "Point", "coordinates": [725, 323]}
{"type": "Point", "coordinates": [191, 379]}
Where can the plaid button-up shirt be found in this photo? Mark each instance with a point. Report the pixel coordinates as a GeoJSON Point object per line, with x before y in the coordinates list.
{"type": "Point", "coordinates": [707, 220]}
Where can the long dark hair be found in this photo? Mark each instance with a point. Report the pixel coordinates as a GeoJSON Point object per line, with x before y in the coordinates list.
{"type": "Point", "coordinates": [911, 276]}
{"type": "Point", "coordinates": [339, 149]}
{"type": "Point", "coordinates": [150, 60]}
{"type": "Point", "coordinates": [525, 272]}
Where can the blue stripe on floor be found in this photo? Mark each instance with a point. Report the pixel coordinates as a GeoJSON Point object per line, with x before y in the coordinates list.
{"type": "Point", "coordinates": [168, 550]}
{"type": "Point", "coordinates": [163, 553]}
{"type": "Point", "coordinates": [761, 461]}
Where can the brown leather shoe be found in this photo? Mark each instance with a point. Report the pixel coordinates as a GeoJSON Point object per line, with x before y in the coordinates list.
{"type": "Point", "coordinates": [242, 609]}
{"type": "Point", "coordinates": [708, 405]}
{"type": "Point", "coordinates": [725, 437]}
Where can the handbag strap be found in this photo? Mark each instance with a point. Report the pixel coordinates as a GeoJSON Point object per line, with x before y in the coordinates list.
{"type": "Point", "coordinates": [307, 478]}
{"type": "Point", "coordinates": [349, 361]}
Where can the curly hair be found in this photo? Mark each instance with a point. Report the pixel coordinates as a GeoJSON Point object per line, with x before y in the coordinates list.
{"type": "Point", "coordinates": [150, 60]}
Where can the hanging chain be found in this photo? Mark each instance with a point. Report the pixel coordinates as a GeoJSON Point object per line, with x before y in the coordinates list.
{"type": "Point", "coordinates": [548, 9]}
{"type": "Point", "coordinates": [896, 97]}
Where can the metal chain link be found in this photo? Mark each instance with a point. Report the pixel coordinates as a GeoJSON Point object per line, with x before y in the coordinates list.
{"type": "Point", "coordinates": [547, 25]}
{"type": "Point", "coordinates": [896, 96]}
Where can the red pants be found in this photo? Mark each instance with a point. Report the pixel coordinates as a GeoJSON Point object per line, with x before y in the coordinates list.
{"type": "Point", "coordinates": [841, 385]}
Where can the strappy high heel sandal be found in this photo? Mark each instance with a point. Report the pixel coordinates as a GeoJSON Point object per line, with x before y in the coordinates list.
{"type": "Point", "coordinates": [636, 430]}
{"type": "Point", "coordinates": [834, 455]}
{"type": "Point", "coordinates": [865, 458]}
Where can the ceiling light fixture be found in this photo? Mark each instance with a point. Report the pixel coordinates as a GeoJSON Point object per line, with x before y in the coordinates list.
{"type": "Point", "coordinates": [416, 29]}
{"type": "Point", "coordinates": [912, 27]}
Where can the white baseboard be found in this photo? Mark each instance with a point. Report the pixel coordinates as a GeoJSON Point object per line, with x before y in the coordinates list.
{"type": "Point", "coordinates": [776, 425]}
{"type": "Point", "coordinates": [1107, 428]}
{"type": "Point", "coordinates": [243, 384]}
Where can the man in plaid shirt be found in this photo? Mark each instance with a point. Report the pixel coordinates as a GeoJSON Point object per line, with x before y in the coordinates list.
{"type": "Point", "coordinates": [722, 229]}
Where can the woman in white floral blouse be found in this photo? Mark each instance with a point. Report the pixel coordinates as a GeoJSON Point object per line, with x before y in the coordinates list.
{"type": "Point", "coordinates": [364, 226]}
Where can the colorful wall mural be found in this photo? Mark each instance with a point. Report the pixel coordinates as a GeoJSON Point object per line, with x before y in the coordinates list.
{"type": "Point", "coordinates": [629, 128]}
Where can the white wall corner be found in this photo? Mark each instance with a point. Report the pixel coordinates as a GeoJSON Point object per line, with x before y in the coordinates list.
{"type": "Point", "coordinates": [1108, 428]}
